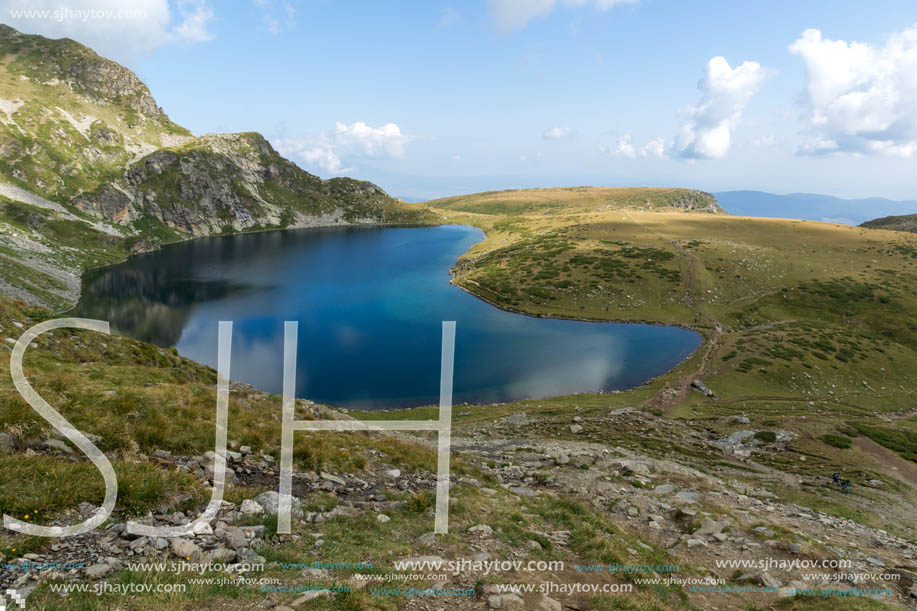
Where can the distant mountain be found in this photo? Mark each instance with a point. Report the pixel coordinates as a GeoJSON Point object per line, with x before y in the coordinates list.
{"type": "Point", "coordinates": [907, 222]}
{"type": "Point", "coordinates": [811, 206]}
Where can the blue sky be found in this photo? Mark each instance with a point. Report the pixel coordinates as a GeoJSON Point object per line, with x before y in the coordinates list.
{"type": "Point", "coordinates": [436, 98]}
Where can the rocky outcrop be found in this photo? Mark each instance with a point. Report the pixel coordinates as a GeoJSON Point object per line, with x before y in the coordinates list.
{"type": "Point", "coordinates": [231, 182]}
{"type": "Point", "coordinates": [697, 201]}
{"type": "Point", "coordinates": [905, 222]}
{"type": "Point", "coordinates": [84, 71]}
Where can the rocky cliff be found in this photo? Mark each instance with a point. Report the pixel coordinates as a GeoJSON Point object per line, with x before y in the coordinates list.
{"type": "Point", "coordinates": [232, 182]}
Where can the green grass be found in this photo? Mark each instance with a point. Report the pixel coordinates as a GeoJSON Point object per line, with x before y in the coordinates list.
{"type": "Point", "coordinates": [902, 441]}
{"type": "Point", "coordinates": [837, 441]}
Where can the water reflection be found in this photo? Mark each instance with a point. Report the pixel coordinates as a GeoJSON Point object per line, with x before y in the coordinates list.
{"type": "Point", "coordinates": [369, 303]}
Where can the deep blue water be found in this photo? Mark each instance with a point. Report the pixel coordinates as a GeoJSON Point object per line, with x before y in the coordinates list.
{"type": "Point", "coordinates": [370, 305]}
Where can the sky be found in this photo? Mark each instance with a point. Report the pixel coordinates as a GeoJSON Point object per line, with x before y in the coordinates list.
{"type": "Point", "coordinates": [430, 98]}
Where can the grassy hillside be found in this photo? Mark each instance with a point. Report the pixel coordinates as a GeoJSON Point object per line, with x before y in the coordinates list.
{"type": "Point", "coordinates": [577, 199]}
{"type": "Point", "coordinates": [801, 318]}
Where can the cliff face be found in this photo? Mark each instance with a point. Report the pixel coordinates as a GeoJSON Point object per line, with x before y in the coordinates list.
{"type": "Point", "coordinates": [232, 182]}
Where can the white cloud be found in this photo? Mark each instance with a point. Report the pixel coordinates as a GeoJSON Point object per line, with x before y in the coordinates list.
{"type": "Point", "coordinates": [860, 97]}
{"type": "Point", "coordinates": [557, 133]}
{"type": "Point", "coordinates": [818, 146]}
{"type": "Point", "coordinates": [726, 91]}
{"type": "Point", "coordinates": [626, 148]}
{"type": "Point", "coordinates": [512, 15]}
{"type": "Point", "coordinates": [325, 159]}
{"type": "Point", "coordinates": [278, 16]}
{"type": "Point", "coordinates": [655, 148]}
{"type": "Point", "coordinates": [359, 138]}
{"type": "Point", "coordinates": [114, 28]}
{"type": "Point", "coordinates": [357, 141]}
{"type": "Point", "coordinates": [195, 16]}
{"type": "Point", "coordinates": [604, 5]}
{"type": "Point", "coordinates": [448, 17]}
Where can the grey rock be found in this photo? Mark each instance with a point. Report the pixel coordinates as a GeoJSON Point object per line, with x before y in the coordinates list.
{"type": "Point", "coordinates": [548, 604]}
{"type": "Point", "coordinates": [58, 445]}
{"type": "Point", "coordinates": [332, 478]}
{"type": "Point", "coordinates": [517, 419]}
{"type": "Point", "coordinates": [250, 556]}
{"type": "Point", "coordinates": [310, 596]}
{"type": "Point", "coordinates": [697, 384]}
{"type": "Point", "coordinates": [270, 502]}
{"type": "Point", "coordinates": [7, 442]}
{"type": "Point", "coordinates": [765, 531]}
{"type": "Point", "coordinates": [185, 549]}
{"type": "Point", "coordinates": [769, 580]}
{"type": "Point", "coordinates": [221, 555]}
{"type": "Point", "coordinates": [97, 571]}
{"type": "Point", "coordinates": [710, 527]}
{"type": "Point", "coordinates": [250, 507]}
{"type": "Point", "coordinates": [481, 529]}
{"type": "Point", "coordinates": [235, 538]}
{"type": "Point", "coordinates": [512, 602]}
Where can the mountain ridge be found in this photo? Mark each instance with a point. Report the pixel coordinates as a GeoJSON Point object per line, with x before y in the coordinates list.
{"type": "Point", "coordinates": [85, 150]}
{"type": "Point", "coordinates": [811, 206]}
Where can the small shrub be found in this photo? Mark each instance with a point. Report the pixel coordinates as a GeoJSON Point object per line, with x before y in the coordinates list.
{"type": "Point", "coordinates": [836, 441]}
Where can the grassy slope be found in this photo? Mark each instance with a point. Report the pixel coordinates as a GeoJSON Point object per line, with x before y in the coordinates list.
{"type": "Point", "coordinates": [137, 398]}
{"type": "Point", "coordinates": [810, 327]}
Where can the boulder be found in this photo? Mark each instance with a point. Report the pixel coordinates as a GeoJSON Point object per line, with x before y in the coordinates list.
{"type": "Point", "coordinates": [97, 571]}
{"type": "Point", "coordinates": [250, 507]}
{"type": "Point", "coordinates": [270, 502]}
{"type": "Point", "coordinates": [185, 550]}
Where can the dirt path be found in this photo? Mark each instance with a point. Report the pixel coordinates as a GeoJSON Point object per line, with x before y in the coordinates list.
{"type": "Point", "coordinates": [904, 470]}
{"type": "Point", "coordinates": [671, 395]}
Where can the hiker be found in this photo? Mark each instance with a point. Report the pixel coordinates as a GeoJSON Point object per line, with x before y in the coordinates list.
{"type": "Point", "coordinates": [837, 478]}
{"type": "Point", "coordinates": [845, 486]}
